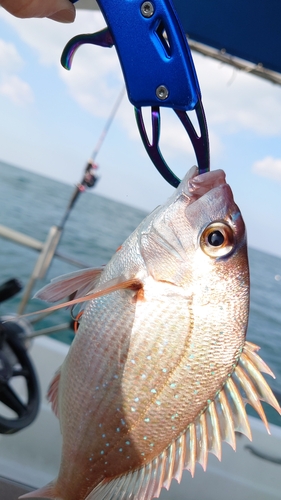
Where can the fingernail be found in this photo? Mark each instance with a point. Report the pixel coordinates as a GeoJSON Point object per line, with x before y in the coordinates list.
{"type": "Point", "coordinates": [64, 16]}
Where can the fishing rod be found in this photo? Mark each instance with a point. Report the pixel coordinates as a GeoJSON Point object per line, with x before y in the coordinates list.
{"type": "Point", "coordinates": [53, 239]}
{"type": "Point", "coordinates": [92, 161]}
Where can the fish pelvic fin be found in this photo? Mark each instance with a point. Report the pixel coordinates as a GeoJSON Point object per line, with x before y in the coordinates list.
{"type": "Point", "coordinates": [52, 394]}
{"type": "Point", "coordinates": [48, 491]}
{"type": "Point", "coordinates": [218, 422]}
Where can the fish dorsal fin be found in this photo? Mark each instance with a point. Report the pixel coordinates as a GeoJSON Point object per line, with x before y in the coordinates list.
{"type": "Point", "coordinates": [53, 391]}
{"type": "Point", "coordinates": [76, 284]}
{"type": "Point", "coordinates": [110, 286]}
{"type": "Point", "coordinates": [218, 422]}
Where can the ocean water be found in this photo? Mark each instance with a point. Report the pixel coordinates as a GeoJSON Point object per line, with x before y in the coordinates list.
{"type": "Point", "coordinates": [96, 227]}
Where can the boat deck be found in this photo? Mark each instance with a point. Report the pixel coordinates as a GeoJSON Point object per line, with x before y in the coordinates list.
{"type": "Point", "coordinates": [32, 456]}
{"type": "Point", "coordinates": [11, 490]}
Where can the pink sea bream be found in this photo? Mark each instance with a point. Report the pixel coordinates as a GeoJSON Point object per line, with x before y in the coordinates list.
{"type": "Point", "coordinates": [159, 371]}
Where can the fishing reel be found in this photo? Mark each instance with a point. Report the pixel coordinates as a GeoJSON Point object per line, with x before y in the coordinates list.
{"type": "Point", "coordinates": [19, 389]}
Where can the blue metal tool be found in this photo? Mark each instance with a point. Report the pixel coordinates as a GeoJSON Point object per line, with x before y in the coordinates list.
{"type": "Point", "coordinates": [157, 67]}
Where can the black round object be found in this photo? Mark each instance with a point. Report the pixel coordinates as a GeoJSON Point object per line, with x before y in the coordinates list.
{"type": "Point", "coordinates": [9, 289]}
{"type": "Point", "coordinates": [216, 238]}
{"type": "Point", "coordinates": [15, 362]}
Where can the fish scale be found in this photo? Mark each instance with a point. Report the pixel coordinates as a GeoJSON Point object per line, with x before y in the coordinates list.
{"type": "Point", "coordinates": [102, 385]}
{"type": "Point", "coordinates": [159, 372]}
{"type": "Point", "coordinates": [175, 412]}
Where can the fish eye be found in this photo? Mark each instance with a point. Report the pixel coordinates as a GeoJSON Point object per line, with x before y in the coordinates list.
{"type": "Point", "coordinates": [217, 239]}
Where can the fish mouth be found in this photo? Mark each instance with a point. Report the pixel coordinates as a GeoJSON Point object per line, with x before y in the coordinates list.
{"type": "Point", "coordinates": [199, 185]}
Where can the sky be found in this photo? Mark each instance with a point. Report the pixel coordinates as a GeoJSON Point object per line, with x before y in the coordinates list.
{"type": "Point", "coordinates": [51, 120]}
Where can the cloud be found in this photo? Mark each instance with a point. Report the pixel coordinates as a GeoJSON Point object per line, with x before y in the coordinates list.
{"type": "Point", "coordinates": [44, 36]}
{"type": "Point", "coordinates": [17, 90]}
{"type": "Point", "coordinates": [94, 79]}
{"type": "Point", "coordinates": [11, 85]}
{"type": "Point", "coordinates": [95, 76]}
{"type": "Point", "coordinates": [174, 140]}
{"type": "Point", "coordinates": [238, 100]}
{"type": "Point", "coordinates": [9, 57]}
{"type": "Point", "coordinates": [268, 167]}
{"type": "Point", "coordinates": [234, 100]}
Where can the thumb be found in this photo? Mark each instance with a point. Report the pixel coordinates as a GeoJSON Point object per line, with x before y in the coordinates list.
{"type": "Point", "coordinates": [58, 10]}
{"type": "Point", "coordinates": [65, 12]}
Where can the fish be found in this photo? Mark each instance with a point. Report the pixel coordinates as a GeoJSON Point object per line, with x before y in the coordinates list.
{"type": "Point", "coordinates": [160, 371]}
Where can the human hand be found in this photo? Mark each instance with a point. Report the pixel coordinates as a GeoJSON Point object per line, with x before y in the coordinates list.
{"type": "Point", "coordinates": [58, 10]}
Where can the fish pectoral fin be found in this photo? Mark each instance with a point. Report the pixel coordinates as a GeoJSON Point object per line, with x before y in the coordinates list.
{"type": "Point", "coordinates": [110, 286]}
{"type": "Point", "coordinates": [52, 394]}
{"type": "Point", "coordinates": [74, 284]}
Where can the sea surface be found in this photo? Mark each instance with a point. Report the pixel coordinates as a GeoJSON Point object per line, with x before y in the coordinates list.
{"type": "Point", "coordinates": [96, 227]}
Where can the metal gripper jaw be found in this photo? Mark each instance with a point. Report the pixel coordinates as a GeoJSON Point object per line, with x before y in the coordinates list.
{"type": "Point", "coordinates": [158, 70]}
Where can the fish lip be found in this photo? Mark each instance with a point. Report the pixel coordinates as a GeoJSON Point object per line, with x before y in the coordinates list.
{"type": "Point", "coordinates": [200, 184]}
{"type": "Point", "coordinates": [194, 185]}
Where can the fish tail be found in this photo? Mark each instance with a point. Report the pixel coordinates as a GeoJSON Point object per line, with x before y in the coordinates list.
{"type": "Point", "coordinates": [48, 491]}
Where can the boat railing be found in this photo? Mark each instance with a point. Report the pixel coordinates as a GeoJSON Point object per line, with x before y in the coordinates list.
{"type": "Point", "coordinates": [48, 250]}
